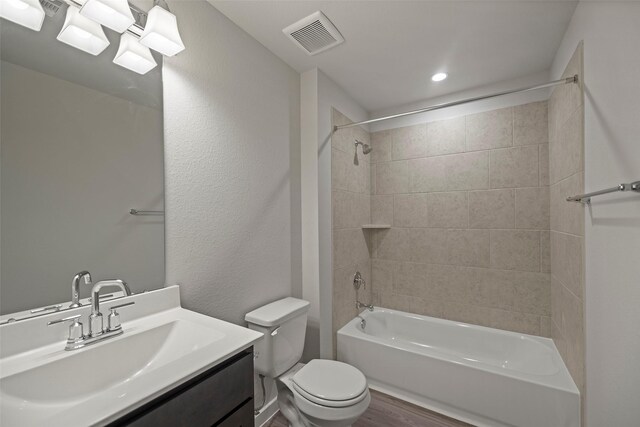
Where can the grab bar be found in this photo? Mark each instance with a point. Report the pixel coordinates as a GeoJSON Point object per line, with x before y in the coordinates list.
{"type": "Point", "coordinates": [586, 198]}
{"type": "Point", "coordinates": [137, 212]}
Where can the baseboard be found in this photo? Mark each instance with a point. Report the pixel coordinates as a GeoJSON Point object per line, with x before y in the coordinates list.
{"type": "Point", "coordinates": [267, 412]}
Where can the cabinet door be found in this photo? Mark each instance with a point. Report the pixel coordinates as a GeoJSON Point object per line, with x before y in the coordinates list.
{"type": "Point", "coordinates": [201, 402]}
{"type": "Point", "coordinates": [242, 417]}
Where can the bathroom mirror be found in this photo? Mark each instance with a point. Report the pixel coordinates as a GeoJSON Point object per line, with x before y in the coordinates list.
{"type": "Point", "coordinates": [81, 145]}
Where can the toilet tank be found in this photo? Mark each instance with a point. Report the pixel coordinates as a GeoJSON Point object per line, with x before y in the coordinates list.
{"type": "Point", "coordinates": [284, 324]}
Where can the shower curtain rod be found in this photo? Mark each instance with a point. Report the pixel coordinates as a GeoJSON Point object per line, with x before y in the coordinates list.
{"type": "Point", "coordinates": [572, 79]}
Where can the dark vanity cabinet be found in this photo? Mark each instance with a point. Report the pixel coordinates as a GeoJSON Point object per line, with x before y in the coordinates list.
{"type": "Point", "coordinates": [222, 396]}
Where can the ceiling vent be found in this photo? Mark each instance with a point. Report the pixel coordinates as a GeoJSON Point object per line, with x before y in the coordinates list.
{"type": "Point", "coordinates": [314, 34]}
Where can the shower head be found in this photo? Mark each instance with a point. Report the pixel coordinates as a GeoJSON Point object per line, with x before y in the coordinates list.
{"type": "Point", "coordinates": [366, 148]}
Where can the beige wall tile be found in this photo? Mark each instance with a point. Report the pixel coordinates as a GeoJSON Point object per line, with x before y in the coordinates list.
{"type": "Point", "coordinates": [428, 174]}
{"type": "Point", "coordinates": [372, 178]}
{"type": "Point", "coordinates": [532, 293]}
{"type": "Point", "coordinates": [446, 136]}
{"type": "Point", "coordinates": [409, 142]}
{"type": "Point", "coordinates": [349, 247]}
{"type": "Point", "coordinates": [556, 302]}
{"type": "Point", "coordinates": [566, 261]}
{"type": "Point", "coordinates": [467, 313]}
{"type": "Point", "coordinates": [530, 124]}
{"type": "Point", "coordinates": [558, 339]}
{"type": "Point", "coordinates": [382, 209]}
{"type": "Point", "coordinates": [545, 252]}
{"type": "Point", "coordinates": [468, 171]}
{"type": "Point", "coordinates": [412, 279]}
{"type": "Point", "coordinates": [382, 271]}
{"type": "Point", "coordinates": [492, 209]}
{"type": "Point", "coordinates": [566, 155]}
{"type": "Point", "coordinates": [491, 129]}
{"type": "Point", "coordinates": [515, 250]}
{"type": "Point", "coordinates": [340, 164]}
{"type": "Point", "coordinates": [410, 210]}
{"type": "Point", "coordinates": [460, 247]}
{"type": "Point", "coordinates": [573, 324]}
{"type": "Point", "coordinates": [544, 164]}
{"type": "Point", "coordinates": [392, 177]}
{"type": "Point", "coordinates": [514, 321]}
{"type": "Point", "coordinates": [452, 282]}
{"type": "Point", "coordinates": [532, 208]}
{"type": "Point", "coordinates": [394, 244]}
{"type": "Point", "coordinates": [448, 210]}
{"type": "Point", "coordinates": [567, 217]}
{"type": "Point", "coordinates": [350, 210]}
{"type": "Point", "coordinates": [381, 143]}
{"type": "Point", "coordinates": [514, 167]}
{"type": "Point", "coordinates": [545, 326]}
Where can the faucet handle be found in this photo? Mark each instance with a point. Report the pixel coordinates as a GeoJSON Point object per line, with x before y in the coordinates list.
{"type": "Point", "coordinates": [114, 317]}
{"type": "Point", "coordinates": [53, 322]}
{"type": "Point", "coordinates": [76, 331]}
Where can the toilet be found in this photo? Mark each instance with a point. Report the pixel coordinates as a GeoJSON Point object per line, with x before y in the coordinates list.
{"type": "Point", "coordinates": [321, 393]}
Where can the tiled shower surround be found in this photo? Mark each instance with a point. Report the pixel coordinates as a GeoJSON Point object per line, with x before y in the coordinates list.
{"type": "Point", "coordinates": [566, 136]}
{"type": "Point", "coordinates": [468, 204]}
{"type": "Point", "coordinates": [351, 208]}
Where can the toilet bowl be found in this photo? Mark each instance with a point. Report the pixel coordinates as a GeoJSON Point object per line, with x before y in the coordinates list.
{"type": "Point", "coordinates": [321, 393]}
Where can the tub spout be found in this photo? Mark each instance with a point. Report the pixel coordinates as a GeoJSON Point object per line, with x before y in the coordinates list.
{"type": "Point", "coordinates": [360, 305]}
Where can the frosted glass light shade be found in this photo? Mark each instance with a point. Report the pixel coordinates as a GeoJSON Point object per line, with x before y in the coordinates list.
{"type": "Point", "coordinates": [82, 33]}
{"type": "Point", "coordinates": [133, 56]}
{"type": "Point", "coordinates": [114, 14]}
{"type": "Point", "coordinates": [161, 32]}
{"type": "Point", "coordinates": [28, 13]}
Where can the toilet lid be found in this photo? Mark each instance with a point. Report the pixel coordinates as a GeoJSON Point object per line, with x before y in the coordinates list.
{"type": "Point", "coordinates": [330, 381]}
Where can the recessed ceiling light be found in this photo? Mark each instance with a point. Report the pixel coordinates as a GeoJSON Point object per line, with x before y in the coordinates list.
{"type": "Point", "coordinates": [438, 77]}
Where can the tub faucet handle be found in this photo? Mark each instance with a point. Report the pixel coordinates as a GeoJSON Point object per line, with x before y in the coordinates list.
{"type": "Point", "coordinates": [358, 281]}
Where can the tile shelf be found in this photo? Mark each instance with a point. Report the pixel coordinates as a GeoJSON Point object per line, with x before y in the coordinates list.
{"type": "Point", "coordinates": [375, 226]}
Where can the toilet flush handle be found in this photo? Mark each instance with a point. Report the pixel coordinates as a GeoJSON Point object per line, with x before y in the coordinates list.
{"type": "Point", "coordinates": [275, 331]}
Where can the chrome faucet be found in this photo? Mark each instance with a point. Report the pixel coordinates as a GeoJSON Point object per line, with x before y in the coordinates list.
{"type": "Point", "coordinates": [96, 323]}
{"type": "Point", "coordinates": [75, 287]}
{"type": "Point", "coordinates": [358, 282]}
{"type": "Point", "coordinates": [77, 339]}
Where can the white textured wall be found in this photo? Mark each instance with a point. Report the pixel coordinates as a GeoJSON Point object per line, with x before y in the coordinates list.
{"type": "Point", "coordinates": [611, 34]}
{"type": "Point", "coordinates": [330, 95]}
{"type": "Point", "coordinates": [231, 138]}
{"type": "Point", "coordinates": [319, 95]}
{"type": "Point", "coordinates": [74, 161]}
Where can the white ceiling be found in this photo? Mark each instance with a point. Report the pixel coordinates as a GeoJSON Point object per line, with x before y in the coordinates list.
{"type": "Point", "coordinates": [393, 47]}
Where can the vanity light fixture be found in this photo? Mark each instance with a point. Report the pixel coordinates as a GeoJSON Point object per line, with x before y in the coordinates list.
{"type": "Point", "coordinates": [28, 13]}
{"type": "Point", "coordinates": [161, 32]}
{"type": "Point", "coordinates": [114, 14]}
{"type": "Point", "coordinates": [438, 77]}
{"type": "Point", "coordinates": [82, 33]}
{"type": "Point", "coordinates": [133, 56]}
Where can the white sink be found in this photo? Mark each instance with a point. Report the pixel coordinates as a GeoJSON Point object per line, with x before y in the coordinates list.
{"type": "Point", "coordinates": [99, 383]}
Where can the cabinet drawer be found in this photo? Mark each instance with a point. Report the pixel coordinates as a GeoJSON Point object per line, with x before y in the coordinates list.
{"type": "Point", "coordinates": [201, 402]}
{"type": "Point", "coordinates": [242, 417]}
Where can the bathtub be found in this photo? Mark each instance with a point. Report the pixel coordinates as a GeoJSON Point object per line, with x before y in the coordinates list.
{"type": "Point", "coordinates": [484, 376]}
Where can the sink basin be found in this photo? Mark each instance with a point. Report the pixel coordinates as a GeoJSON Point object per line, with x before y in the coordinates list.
{"type": "Point", "coordinates": [76, 377]}
{"type": "Point", "coordinates": [98, 384]}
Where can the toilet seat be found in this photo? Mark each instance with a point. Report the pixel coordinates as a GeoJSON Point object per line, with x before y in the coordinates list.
{"type": "Point", "coordinates": [330, 384]}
